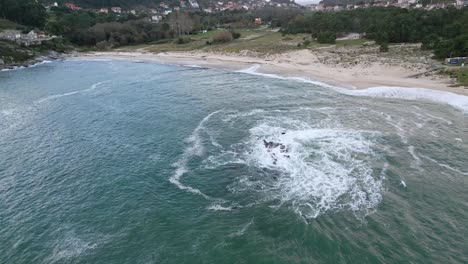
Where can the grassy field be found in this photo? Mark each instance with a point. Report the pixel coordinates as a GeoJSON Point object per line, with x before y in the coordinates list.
{"type": "Point", "coordinates": [6, 24]}
{"type": "Point", "coordinates": [459, 73]}
{"type": "Point", "coordinates": [462, 76]}
{"type": "Point", "coordinates": [351, 42]}
{"type": "Point", "coordinates": [261, 41]}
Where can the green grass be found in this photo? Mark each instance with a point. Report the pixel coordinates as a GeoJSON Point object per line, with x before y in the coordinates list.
{"type": "Point", "coordinates": [459, 73]}
{"type": "Point", "coordinates": [351, 42]}
{"type": "Point", "coordinates": [7, 24]}
{"type": "Point", "coordinates": [262, 41]}
{"type": "Point", "coordinates": [256, 40]}
{"type": "Point", "coordinates": [462, 76]}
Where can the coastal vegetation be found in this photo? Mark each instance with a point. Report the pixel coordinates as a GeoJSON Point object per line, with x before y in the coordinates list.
{"type": "Point", "coordinates": [441, 30]}
{"type": "Point", "coordinates": [440, 33]}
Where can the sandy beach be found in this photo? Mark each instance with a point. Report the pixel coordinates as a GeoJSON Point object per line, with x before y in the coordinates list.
{"type": "Point", "coordinates": [308, 64]}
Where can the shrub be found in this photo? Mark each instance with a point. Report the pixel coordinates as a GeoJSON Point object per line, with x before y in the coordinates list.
{"type": "Point", "coordinates": [306, 43]}
{"type": "Point", "coordinates": [104, 45]}
{"type": "Point", "coordinates": [383, 47]}
{"type": "Point", "coordinates": [326, 38]}
{"type": "Point", "coordinates": [181, 40]}
{"type": "Point", "coordinates": [235, 35]}
{"type": "Point", "coordinates": [222, 37]}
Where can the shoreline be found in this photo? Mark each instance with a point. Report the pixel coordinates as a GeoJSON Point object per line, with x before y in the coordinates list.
{"type": "Point", "coordinates": [296, 64]}
{"type": "Point", "coordinates": [38, 60]}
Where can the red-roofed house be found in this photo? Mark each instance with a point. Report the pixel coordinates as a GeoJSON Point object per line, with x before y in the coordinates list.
{"type": "Point", "coordinates": [72, 6]}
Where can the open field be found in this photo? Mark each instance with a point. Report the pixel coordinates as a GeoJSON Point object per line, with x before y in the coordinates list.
{"type": "Point", "coordinates": [7, 24]}
{"type": "Point", "coordinates": [261, 41]}
{"type": "Point", "coordinates": [458, 73]}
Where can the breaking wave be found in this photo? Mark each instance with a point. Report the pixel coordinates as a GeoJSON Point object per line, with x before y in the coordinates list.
{"type": "Point", "coordinates": [321, 169]}
{"type": "Point", "coordinates": [454, 100]}
{"type": "Point", "coordinates": [194, 148]}
{"type": "Point", "coordinates": [25, 67]}
{"type": "Point", "coordinates": [91, 88]}
{"type": "Point", "coordinates": [312, 169]}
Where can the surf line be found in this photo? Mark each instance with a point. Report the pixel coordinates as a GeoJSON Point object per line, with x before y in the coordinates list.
{"type": "Point", "coordinates": [194, 148]}
{"type": "Point", "coordinates": [52, 97]}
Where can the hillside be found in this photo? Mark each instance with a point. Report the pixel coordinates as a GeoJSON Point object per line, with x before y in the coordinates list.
{"type": "Point", "coordinates": [147, 3]}
{"type": "Point", "coordinates": [106, 3]}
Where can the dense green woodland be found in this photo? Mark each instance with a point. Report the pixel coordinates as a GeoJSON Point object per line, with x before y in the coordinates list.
{"type": "Point", "coordinates": [443, 30]}
{"type": "Point", "coordinates": [27, 12]}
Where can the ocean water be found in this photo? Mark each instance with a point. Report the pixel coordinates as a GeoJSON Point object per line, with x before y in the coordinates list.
{"type": "Point", "coordinates": [123, 162]}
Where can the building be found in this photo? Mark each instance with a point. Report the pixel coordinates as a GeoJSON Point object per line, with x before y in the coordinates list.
{"type": "Point", "coordinates": [457, 60]}
{"type": "Point", "coordinates": [156, 18]}
{"type": "Point", "coordinates": [194, 4]}
{"type": "Point", "coordinates": [116, 9]}
{"type": "Point", "coordinates": [104, 10]}
{"type": "Point", "coordinates": [72, 6]}
{"type": "Point", "coordinates": [11, 35]}
{"type": "Point", "coordinates": [258, 21]}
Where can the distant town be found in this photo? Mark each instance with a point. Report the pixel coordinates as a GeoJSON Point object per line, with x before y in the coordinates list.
{"type": "Point", "coordinates": [157, 14]}
{"type": "Point", "coordinates": [408, 4]}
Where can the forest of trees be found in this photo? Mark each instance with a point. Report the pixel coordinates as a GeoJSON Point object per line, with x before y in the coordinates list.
{"type": "Point", "coordinates": [26, 12]}
{"type": "Point", "coordinates": [443, 30]}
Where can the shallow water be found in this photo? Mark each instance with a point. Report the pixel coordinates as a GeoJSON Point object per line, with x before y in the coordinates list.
{"type": "Point", "coordinates": [121, 162]}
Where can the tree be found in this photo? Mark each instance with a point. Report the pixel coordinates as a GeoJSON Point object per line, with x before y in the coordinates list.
{"type": "Point", "coordinates": [26, 12]}
{"type": "Point", "coordinates": [181, 23]}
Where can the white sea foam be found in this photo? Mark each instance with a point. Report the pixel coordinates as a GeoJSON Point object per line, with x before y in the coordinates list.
{"type": "Point", "coordinates": [71, 246]}
{"type": "Point", "coordinates": [243, 229]}
{"type": "Point", "coordinates": [91, 88]}
{"type": "Point", "coordinates": [322, 170]}
{"type": "Point", "coordinates": [254, 71]}
{"type": "Point", "coordinates": [23, 67]}
{"type": "Point", "coordinates": [219, 207]}
{"type": "Point", "coordinates": [416, 159]}
{"type": "Point", "coordinates": [194, 148]}
{"type": "Point", "coordinates": [455, 100]}
{"type": "Point", "coordinates": [446, 166]}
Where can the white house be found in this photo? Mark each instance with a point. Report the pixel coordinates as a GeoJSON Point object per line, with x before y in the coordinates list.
{"type": "Point", "coordinates": [116, 9]}
{"type": "Point", "coordinates": [11, 35]}
{"type": "Point", "coordinates": [156, 18]}
{"type": "Point", "coordinates": [194, 4]}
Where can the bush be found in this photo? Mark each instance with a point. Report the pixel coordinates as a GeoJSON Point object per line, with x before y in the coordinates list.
{"type": "Point", "coordinates": [181, 40]}
{"type": "Point", "coordinates": [235, 35]}
{"type": "Point", "coordinates": [306, 43]}
{"type": "Point", "coordinates": [103, 45]}
{"type": "Point", "coordinates": [326, 38]}
{"type": "Point", "coordinates": [383, 47]}
{"type": "Point", "coordinates": [222, 37]}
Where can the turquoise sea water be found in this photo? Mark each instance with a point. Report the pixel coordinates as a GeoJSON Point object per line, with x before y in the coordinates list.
{"type": "Point", "coordinates": [124, 162]}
